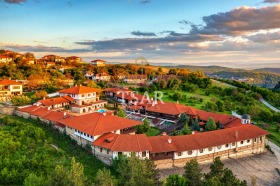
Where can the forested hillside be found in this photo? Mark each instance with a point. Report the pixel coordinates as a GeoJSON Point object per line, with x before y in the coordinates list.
{"type": "Point", "coordinates": [261, 77]}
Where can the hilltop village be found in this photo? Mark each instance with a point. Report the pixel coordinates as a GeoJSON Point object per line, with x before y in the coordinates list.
{"type": "Point", "coordinates": [167, 115]}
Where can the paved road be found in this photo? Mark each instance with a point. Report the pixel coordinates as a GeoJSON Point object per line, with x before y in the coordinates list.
{"type": "Point", "coordinates": [268, 105]}
{"type": "Point", "coordinates": [275, 149]}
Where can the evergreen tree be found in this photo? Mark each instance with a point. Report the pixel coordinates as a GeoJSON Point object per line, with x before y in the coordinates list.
{"type": "Point", "coordinates": [216, 169]}
{"type": "Point", "coordinates": [193, 173]}
{"type": "Point", "coordinates": [133, 171]}
{"type": "Point", "coordinates": [195, 125]}
{"type": "Point", "coordinates": [104, 178]}
{"type": "Point", "coordinates": [175, 180]}
{"type": "Point", "coordinates": [183, 118]}
{"type": "Point", "coordinates": [210, 125]}
{"type": "Point", "coordinates": [76, 173]}
{"type": "Point", "coordinates": [186, 130]}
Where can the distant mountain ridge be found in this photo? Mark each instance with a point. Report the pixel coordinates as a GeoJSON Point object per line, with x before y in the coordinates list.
{"type": "Point", "coordinates": [266, 77]}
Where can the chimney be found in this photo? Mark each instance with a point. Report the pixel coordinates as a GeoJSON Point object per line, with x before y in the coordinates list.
{"type": "Point", "coordinates": [64, 113]}
{"type": "Point", "coordinates": [236, 134]}
{"type": "Point", "coordinates": [169, 140]}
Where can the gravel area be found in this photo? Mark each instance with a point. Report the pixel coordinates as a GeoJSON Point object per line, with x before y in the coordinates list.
{"type": "Point", "coordinates": [262, 167]}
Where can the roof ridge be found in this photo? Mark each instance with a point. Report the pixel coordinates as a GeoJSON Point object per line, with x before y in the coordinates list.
{"type": "Point", "coordinates": [138, 143]}
{"type": "Point", "coordinates": [96, 124]}
{"type": "Point", "coordinates": [115, 141]}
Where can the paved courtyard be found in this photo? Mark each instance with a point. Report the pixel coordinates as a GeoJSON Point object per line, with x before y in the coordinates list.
{"type": "Point", "coordinates": [262, 167]}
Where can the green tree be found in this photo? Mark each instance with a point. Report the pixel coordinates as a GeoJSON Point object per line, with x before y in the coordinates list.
{"type": "Point", "coordinates": [216, 169]}
{"type": "Point", "coordinates": [20, 100]}
{"type": "Point", "coordinates": [121, 113]}
{"type": "Point", "coordinates": [193, 173]}
{"type": "Point", "coordinates": [79, 77]}
{"type": "Point", "coordinates": [176, 180]}
{"type": "Point", "coordinates": [186, 130]}
{"type": "Point", "coordinates": [220, 176]}
{"type": "Point", "coordinates": [104, 178]}
{"type": "Point", "coordinates": [34, 180]}
{"type": "Point", "coordinates": [145, 127]}
{"type": "Point", "coordinates": [60, 176]}
{"type": "Point", "coordinates": [220, 106]}
{"type": "Point", "coordinates": [183, 118]}
{"type": "Point", "coordinates": [210, 124]}
{"type": "Point", "coordinates": [133, 171]}
{"type": "Point", "coordinates": [77, 173]}
{"type": "Point", "coordinates": [92, 84]}
{"type": "Point", "coordinates": [195, 125]}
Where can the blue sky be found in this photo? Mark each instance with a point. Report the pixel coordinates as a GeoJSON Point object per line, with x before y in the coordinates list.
{"type": "Point", "coordinates": [179, 31]}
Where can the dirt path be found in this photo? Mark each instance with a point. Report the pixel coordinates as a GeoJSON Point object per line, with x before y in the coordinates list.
{"type": "Point", "coordinates": [262, 167]}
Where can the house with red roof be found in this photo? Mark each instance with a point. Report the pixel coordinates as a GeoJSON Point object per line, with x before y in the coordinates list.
{"type": "Point", "coordinates": [5, 59]}
{"type": "Point", "coordinates": [135, 79]}
{"type": "Point", "coordinates": [102, 77]}
{"type": "Point", "coordinates": [107, 135]}
{"type": "Point", "coordinates": [111, 145]}
{"type": "Point", "coordinates": [72, 59]}
{"type": "Point", "coordinates": [10, 88]}
{"type": "Point", "coordinates": [98, 62]}
{"type": "Point", "coordinates": [86, 99]}
{"type": "Point", "coordinates": [56, 103]}
{"type": "Point", "coordinates": [87, 128]}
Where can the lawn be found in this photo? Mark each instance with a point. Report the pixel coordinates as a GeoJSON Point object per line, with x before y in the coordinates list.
{"type": "Point", "coordinates": [153, 132]}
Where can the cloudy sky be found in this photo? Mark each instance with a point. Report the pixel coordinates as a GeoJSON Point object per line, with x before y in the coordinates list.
{"type": "Point", "coordinates": [229, 33]}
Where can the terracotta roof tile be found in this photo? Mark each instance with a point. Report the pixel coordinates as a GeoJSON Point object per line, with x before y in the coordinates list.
{"type": "Point", "coordinates": [79, 90]}
{"type": "Point", "coordinates": [160, 144]}
{"type": "Point", "coordinates": [40, 111]}
{"type": "Point", "coordinates": [217, 137]}
{"type": "Point", "coordinates": [9, 82]}
{"type": "Point", "coordinates": [28, 109]}
{"type": "Point", "coordinates": [124, 142]}
{"type": "Point", "coordinates": [55, 116]}
{"type": "Point", "coordinates": [98, 123]}
{"type": "Point", "coordinates": [170, 108]}
{"type": "Point", "coordinates": [55, 101]}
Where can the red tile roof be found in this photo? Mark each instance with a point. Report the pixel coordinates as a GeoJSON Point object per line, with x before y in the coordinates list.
{"type": "Point", "coordinates": [9, 82]}
{"type": "Point", "coordinates": [40, 111]}
{"type": "Point", "coordinates": [170, 108]}
{"type": "Point", "coordinates": [234, 123]}
{"type": "Point", "coordinates": [222, 118]}
{"type": "Point", "coordinates": [98, 123]}
{"type": "Point", "coordinates": [55, 101]}
{"type": "Point", "coordinates": [160, 144]}
{"type": "Point", "coordinates": [28, 109]}
{"type": "Point", "coordinates": [79, 90]}
{"type": "Point", "coordinates": [117, 90]}
{"type": "Point", "coordinates": [55, 116]}
{"type": "Point", "coordinates": [217, 137]}
{"type": "Point", "coordinates": [2, 56]}
{"type": "Point", "coordinates": [98, 60]}
{"type": "Point", "coordinates": [124, 142]}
